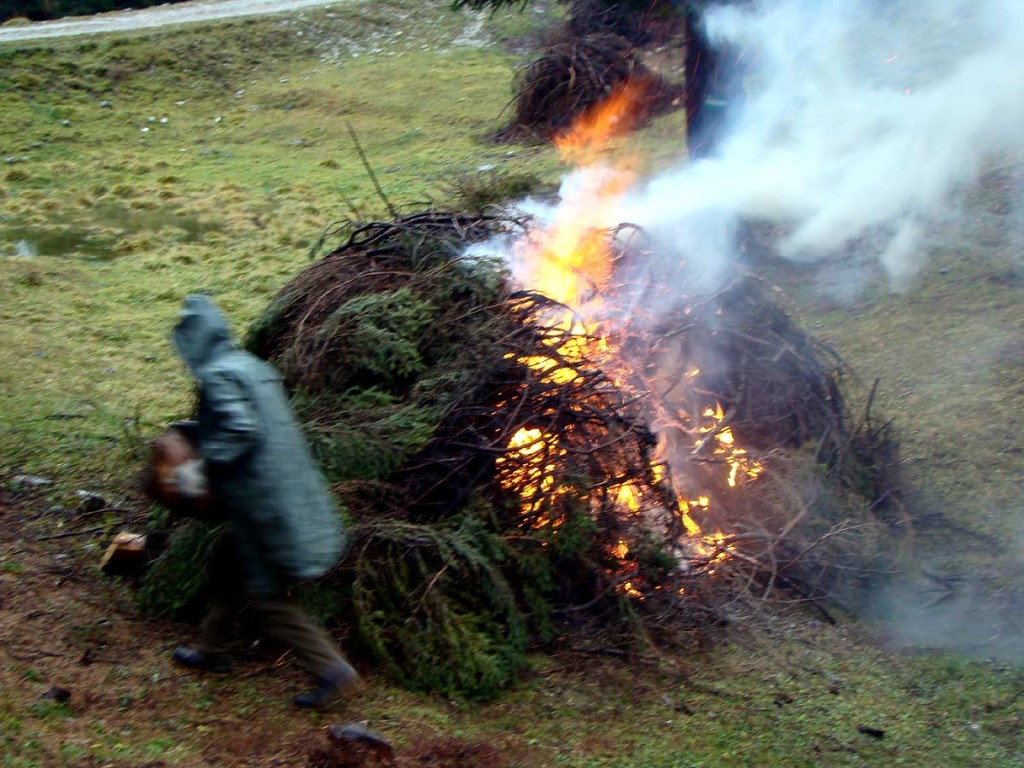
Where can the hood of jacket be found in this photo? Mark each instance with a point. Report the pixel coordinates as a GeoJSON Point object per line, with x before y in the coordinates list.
{"type": "Point", "coordinates": [202, 333]}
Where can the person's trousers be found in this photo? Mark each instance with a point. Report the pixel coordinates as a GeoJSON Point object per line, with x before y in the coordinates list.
{"type": "Point", "coordinates": [275, 617]}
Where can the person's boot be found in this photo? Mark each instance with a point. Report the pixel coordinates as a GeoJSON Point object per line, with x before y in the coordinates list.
{"type": "Point", "coordinates": [338, 681]}
{"type": "Point", "coordinates": [207, 662]}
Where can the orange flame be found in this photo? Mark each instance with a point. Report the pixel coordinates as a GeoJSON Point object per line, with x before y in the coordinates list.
{"type": "Point", "coordinates": [616, 116]}
{"type": "Point", "coordinates": [724, 447]}
{"type": "Point", "coordinates": [571, 262]}
{"type": "Point", "coordinates": [531, 454]}
{"type": "Point", "coordinates": [571, 259]}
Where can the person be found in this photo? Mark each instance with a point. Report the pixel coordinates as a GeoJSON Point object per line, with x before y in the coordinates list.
{"type": "Point", "coordinates": [282, 524]}
{"type": "Point", "coordinates": [713, 76]}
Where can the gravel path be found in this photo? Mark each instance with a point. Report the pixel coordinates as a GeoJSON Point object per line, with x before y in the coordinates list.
{"type": "Point", "coordinates": [148, 18]}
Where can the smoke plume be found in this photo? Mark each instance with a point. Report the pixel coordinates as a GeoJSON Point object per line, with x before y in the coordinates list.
{"type": "Point", "coordinates": [856, 132]}
{"type": "Point", "coordinates": [853, 126]}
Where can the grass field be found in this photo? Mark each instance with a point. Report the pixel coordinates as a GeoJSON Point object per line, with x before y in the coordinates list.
{"type": "Point", "coordinates": [142, 168]}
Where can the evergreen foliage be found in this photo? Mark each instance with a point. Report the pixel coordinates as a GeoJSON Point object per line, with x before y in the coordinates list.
{"type": "Point", "coordinates": [176, 585]}
{"type": "Point", "coordinates": [439, 614]}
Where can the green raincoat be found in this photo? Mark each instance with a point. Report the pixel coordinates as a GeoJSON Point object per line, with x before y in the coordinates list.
{"type": "Point", "coordinates": [284, 528]}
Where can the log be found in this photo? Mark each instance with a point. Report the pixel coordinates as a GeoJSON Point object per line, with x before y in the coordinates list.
{"type": "Point", "coordinates": [126, 555]}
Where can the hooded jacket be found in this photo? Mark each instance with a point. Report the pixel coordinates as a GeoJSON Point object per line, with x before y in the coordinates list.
{"type": "Point", "coordinates": [284, 527]}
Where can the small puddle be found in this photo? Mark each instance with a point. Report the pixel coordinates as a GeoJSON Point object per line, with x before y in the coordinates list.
{"type": "Point", "coordinates": [131, 220]}
{"type": "Point", "coordinates": [110, 222]}
{"type": "Point", "coordinates": [39, 241]}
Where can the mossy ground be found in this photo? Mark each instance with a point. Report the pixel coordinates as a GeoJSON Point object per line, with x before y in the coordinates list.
{"type": "Point", "coordinates": [223, 154]}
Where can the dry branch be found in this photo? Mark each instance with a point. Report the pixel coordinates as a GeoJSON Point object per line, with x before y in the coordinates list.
{"type": "Point", "coordinates": [574, 74]}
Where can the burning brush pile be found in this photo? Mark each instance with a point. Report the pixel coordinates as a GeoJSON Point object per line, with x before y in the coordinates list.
{"type": "Point", "coordinates": [509, 474]}
{"type": "Point", "coordinates": [517, 461]}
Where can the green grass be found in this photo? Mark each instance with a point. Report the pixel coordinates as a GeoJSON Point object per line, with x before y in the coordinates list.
{"type": "Point", "coordinates": [229, 193]}
{"type": "Point", "coordinates": [226, 196]}
{"type": "Point", "coordinates": [224, 192]}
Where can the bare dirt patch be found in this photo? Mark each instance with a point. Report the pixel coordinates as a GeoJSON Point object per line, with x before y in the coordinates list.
{"type": "Point", "coordinates": [64, 625]}
{"type": "Point", "coordinates": [87, 680]}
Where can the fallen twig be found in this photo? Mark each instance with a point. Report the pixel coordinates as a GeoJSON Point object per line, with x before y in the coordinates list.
{"type": "Point", "coordinates": [369, 170]}
{"type": "Point", "coordinates": [1006, 704]}
{"type": "Point", "coordinates": [68, 534]}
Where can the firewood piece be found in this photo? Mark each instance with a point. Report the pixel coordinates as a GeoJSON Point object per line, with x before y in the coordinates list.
{"type": "Point", "coordinates": [126, 554]}
{"type": "Point", "coordinates": [69, 534]}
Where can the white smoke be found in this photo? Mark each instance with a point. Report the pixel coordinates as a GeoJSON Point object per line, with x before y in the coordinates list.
{"type": "Point", "coordinates": [858, 123]}
{"type": "Point", "coordinates": [858, 128]}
